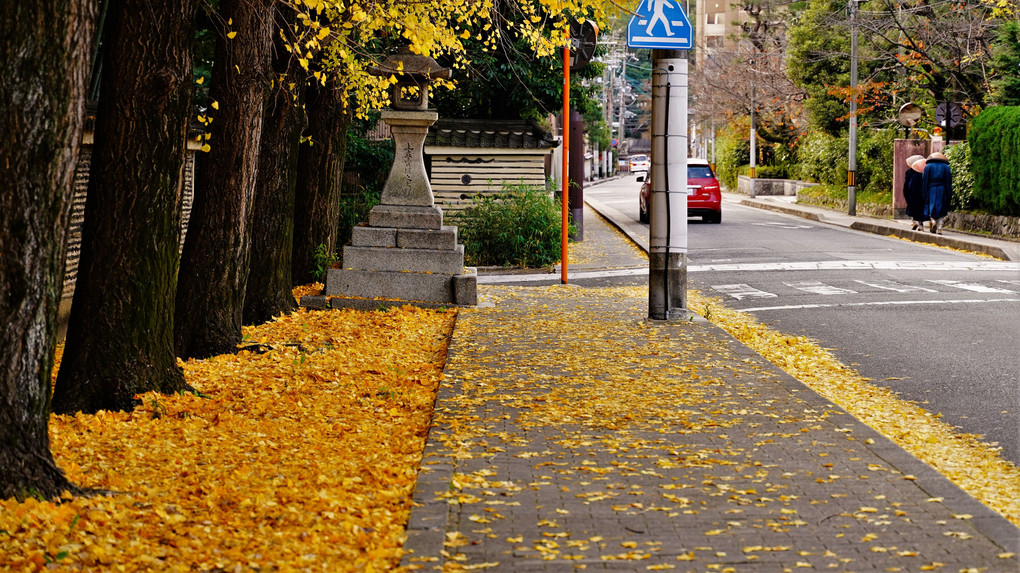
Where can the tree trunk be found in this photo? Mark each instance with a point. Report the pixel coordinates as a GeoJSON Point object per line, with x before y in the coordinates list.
{"type": "Point", "coordinates": [320, 174]}
{"type": "Point", "coordinates": [43, 101]}
{"type": "Point", "coordinates": [120, 335]}
{"type": "Point", "coordinates": [214, 265]}
{"type": "Point", "coordinates": [269, 280]}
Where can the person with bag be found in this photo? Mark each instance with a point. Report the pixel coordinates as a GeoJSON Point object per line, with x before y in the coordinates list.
{"type": "Point", "coordinates": [913, 191]}
{"type": "Point", "coordinates": [937, 186]}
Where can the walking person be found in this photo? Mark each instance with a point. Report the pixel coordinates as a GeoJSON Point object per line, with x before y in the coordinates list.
{"type": "Point", "coordinates": [937, 185]}
{"type": "Point", "coordinates": [913, 191]}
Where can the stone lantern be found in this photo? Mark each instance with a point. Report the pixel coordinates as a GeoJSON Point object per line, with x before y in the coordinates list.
{"type": "Point", "coordinates": [405, 253]}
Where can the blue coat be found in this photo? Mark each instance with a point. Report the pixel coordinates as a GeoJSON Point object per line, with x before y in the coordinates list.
{"type": "Point", "coordinates": [937, 186]}
{"type": "Point", "coordinates": [913, 192]}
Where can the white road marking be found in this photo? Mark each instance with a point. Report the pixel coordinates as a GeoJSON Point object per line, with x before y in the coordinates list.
{"type": "Point", "coordinates": [973, 287]}
{"type": "Point", "coordinates": [742, 291]}
{"type": "Point", "coordinates": [777, 225]}
{"type": "Point", "coordinates": [1001, 266]}
{"type": "Point", "coordinates": [895, 286]}
{"type": "Point", "coordinates": [876, 303]}
{"type": "Point", "coordinates": [819, 288]}
{"type": "Point", "coordinates": [555, 276]}
{"type": "Point", "coordinates": [846, 265]}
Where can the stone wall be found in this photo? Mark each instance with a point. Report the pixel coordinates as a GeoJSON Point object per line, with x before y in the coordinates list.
{"type": "Point", "coordinates": [762, 186]}
{"type": "Point", "coordinates": [841, 204]}
{"type": "Point", "coordinates": [994, 225]}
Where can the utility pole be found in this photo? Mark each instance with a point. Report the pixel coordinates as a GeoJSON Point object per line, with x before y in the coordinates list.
{"type": "Point", "coordinates": [667, 231]}
{"type": "Point", "coordinates": [754, 132]}
{"type": "Point", "coordinates": [565, 133]}
{"type": "Point", "coordinates": [623, 95]}
{"type": "Point", "coordinates": [851, 190]}
{"type": "Point", "coordinates": [667, 208]}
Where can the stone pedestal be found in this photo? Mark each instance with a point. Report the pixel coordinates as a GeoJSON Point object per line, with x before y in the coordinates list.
{"type": "Point", "coordinates": [404, 253]}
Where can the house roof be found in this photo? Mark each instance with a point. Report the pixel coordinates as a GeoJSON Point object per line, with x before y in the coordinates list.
{"type": "Point", "coordinates": [488, 133]}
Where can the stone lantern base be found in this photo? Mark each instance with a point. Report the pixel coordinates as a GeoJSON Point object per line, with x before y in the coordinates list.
{"type": "Point", "coordinates": [405, 253]}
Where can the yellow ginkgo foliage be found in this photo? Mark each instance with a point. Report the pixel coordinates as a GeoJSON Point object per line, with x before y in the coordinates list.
{"type": "Point", "coordinates": [348, 37]}
{"type": "Point", "coordinates": [300, 452]}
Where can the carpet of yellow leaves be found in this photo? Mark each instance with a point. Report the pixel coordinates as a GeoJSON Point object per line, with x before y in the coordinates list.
{"type": "Point", "coordinates": [963, 458]}
{"type": "Point", "coordinates": [300, 456]}
{"type": "Point", "coordinates": [302, 453]}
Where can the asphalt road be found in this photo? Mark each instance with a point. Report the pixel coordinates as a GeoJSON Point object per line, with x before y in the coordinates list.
{"type": "Point", "coordinates": [939, 327]}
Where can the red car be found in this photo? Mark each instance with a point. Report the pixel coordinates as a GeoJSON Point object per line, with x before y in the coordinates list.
{"type": "Point", "coordinates": [704, 199]}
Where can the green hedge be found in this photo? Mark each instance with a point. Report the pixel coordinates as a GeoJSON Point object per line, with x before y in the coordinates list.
{"type": "Point", "coordinates": [961, 167]}
{"type": "Point", "coordinates": [825, 159]}
{"type": "Point", "coordinates": [995, 159]}
{"type": "Point", "coordinates": [733, 152]}
{"type": "Point", "coordinates": [519, 227]}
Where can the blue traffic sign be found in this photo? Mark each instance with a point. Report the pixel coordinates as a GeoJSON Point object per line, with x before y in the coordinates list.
{"type": "Point", "coordinates": [660, 24]}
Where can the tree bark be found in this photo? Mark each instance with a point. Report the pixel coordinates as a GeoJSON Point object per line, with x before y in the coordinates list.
{"type": "Point", "coordinates": [320, 175]}
{"type": "Point", "coordinates": [120, 334]}
{"type": "Point", "coordinates": [214, 264]}
{"type": "Point", "coordinates": [43, 101]}
{"type": "Point", "coordinates": [269, 285]}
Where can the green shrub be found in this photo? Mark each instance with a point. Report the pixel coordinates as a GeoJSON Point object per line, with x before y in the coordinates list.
{"type": "Point", "coordinates": [963, 178]}
{"type": "Point", "coordinates": [825, 159]}
{"type": "Point", "coordinates": [822, 158]}
{"type": "Point", "coordinates": [323, 262]}
{"type": "Point", "coordinates": [354, 208]}
{"type": "Point", "coordinates": [875, 163]}
{"type": "Point", "coordinates": [733, 152]}
{"type": "Point", "coordinates": [994, 139]}
{"type": "Point", "coordinates": [779, 171]}
{"type": "Point", "coordinates": [519, 227]}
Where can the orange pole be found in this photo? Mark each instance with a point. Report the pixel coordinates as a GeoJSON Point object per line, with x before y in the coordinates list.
{"type": "Point", "coordinates": [566, 154]}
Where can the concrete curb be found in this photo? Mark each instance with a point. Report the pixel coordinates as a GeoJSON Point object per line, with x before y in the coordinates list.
{"type": "Point", "coordinates": [782, 209]}
{"type": "Point", "coordinates": [927, 237]}
{"type": "Point", "coordinates": [634, 230]}
{"type": "Point", "coordinates": [430, 515]}
{"type": "Point", "coordinates": [879, 227]}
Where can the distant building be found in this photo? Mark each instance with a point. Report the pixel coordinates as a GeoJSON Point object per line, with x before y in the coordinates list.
{"type": "Point", "coordinates": [716, 28]}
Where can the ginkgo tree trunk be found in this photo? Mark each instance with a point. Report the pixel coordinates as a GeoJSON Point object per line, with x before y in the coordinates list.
{"type": "Point", "coordinates": [268, 291]}
{"type": "Point", "coordinates": [43, 62]}
{"type": "Point", "coordinates": [214, 264]}
{"type": "Point", "coordinates": [120, 334]}
{"type": "Point", "coordinates": [320, 176]}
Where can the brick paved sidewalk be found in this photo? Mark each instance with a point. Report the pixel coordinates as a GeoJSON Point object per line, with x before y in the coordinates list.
{"type": "Point", "coordinates": [570, 433]}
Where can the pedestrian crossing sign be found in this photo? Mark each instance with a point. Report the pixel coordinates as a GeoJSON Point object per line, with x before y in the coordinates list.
{"type": "Point", "coordinates": [660, 24]}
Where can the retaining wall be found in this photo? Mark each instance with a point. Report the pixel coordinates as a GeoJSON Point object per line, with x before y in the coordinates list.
{"type": "Point", "coordinates": [771, 186]}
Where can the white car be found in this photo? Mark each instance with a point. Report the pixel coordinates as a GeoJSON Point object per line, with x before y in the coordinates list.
{"type": "Point", "coordinates": [639, 164]}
